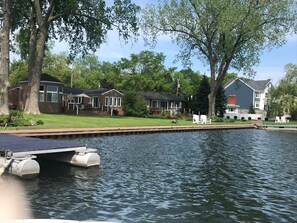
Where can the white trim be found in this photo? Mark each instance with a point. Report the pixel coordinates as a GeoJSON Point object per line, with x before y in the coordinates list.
{"type": "Point", "coordinates": [59, 150]}
{"type": "Point", "coordinates": [111, 91]}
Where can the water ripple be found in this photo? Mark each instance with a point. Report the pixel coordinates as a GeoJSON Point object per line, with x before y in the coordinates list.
{"type": "Point", "coordinates": [207, 176]}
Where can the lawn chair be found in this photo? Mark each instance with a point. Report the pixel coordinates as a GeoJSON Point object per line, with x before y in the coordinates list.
{"type": "Point", "coordinates": [204, 120]}
{"type": "Point", "coordinates": [277, 119]}
{"type": "Point", "coordinates": [284, 120]}
{"type": "Point", "coordinates": [195, 119]}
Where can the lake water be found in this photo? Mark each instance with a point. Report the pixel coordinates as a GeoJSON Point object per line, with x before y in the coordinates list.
{"type": "Point", "coordinates": [204, 176]}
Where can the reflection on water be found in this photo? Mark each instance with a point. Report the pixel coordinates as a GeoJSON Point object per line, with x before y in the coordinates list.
{"type": "Point", "coordinates": [206, 176]}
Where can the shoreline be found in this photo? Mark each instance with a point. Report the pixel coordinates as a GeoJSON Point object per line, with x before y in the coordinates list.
{"type": "Point", "coordinates": [86, 132]}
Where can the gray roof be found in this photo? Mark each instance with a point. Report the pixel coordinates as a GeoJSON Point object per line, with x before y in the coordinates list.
{"type": "Point", "coordinates": [257, 85]}
{"type": "Point", "coordinates": [152, 95]}
{"type": "Point", "coordinates": [83, 91]}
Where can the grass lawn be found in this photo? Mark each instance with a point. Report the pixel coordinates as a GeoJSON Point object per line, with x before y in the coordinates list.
{"type": "Point", "coordinates": [79, 121]}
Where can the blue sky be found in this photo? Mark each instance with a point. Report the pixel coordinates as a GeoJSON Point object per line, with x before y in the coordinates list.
{"type": "Point", "coordinates": [271, 65]}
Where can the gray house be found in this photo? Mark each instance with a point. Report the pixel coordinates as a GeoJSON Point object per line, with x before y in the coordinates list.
{"type": "Point", "coordinates": [242, 93]}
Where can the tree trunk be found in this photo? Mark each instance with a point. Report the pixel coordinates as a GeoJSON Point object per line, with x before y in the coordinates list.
{"type": "Point", "coordinates": [4, 62]}
{"type": "Point", "coordinates": [211, 103]}
{"type": "Point", "coordinates": [36, 56]}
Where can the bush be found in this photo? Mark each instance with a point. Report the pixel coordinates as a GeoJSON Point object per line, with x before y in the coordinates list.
{"type": "Point", "coordinates": [266, 119]}
{"type": "Point", "coordinates": [218, 119]}
{"type": "Point", "coordinates": [228, 117]}
{"type": "Point", "coordinates": [259, 118]}
{"type": "Point", "coordinates": [249, 118]}
{"type": "Point", "coordinates": [242, 118]}
{"type": "Point", "coordinates": [235, 117]}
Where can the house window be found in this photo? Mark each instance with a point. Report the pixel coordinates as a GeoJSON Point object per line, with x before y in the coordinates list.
{"type": "Point", "coordinates": [95, 102]}
{"type": "Point", "coordinates": [119, 102]}
{"type": "Point", "coordinates": [41, 94]}
{"type": "Point", "coordinates": [257, 105]}
{"type": "Point", "coordinates": [257, 95]}
{"type": "Point", "coordinates": [110, 101]}
{"type": "Point", "coordinates": [115, 102]}
{"type": "Point", "coordinates": [52, 93]}
{"type": "Point", "coordinates": [155, 104]}
{"type": "Point", "coordinates": [106, 101]}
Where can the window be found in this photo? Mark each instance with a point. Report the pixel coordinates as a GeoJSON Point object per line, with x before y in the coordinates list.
{"type": "Point", "coordinates": [115, 101]}
{"type": "Point", "coordinates": [155, 104]}
{"type": "Point", "coordinates": [106, 101]}
{"type": "Point", "coordinates": [257, 105]}
{"type": "Point", "coordinates": [257, 95]}
{"type": "Point", "coordinates": [52, 93]}
{"type": "Point", "coordinates": [95, 102]}
{"type": "Point", "coordinates": [41, 94]}
{"type": "Point", "coordinates": [119, 102]}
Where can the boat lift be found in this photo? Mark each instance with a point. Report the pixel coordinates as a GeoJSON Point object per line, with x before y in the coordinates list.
{"type": "Point", "coordinates": [18, 154]}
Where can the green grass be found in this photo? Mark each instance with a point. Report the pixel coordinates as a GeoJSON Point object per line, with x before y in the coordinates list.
{"type": "Point", "coordinates": [80, 121]}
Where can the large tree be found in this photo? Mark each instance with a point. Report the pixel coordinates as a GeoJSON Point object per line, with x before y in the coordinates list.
{"type": "Point", "coordinates": [83, 24]}
{"type": "Point", "coordinates": [283, 97]}
{"type": "Point", "coordinates": [4, 60]}
{"type": "Point", "coordinates": [222, 33]}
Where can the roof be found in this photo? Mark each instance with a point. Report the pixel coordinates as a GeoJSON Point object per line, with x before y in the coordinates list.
{"type": "Point", "coordinates": [153, 95]}
{"type": "Point", "coordinates": [257, 85]}
{"type": "Point", "coordinates": [45, 78]}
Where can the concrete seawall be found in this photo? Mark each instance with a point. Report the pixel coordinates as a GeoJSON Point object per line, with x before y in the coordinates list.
{"type": "Point", "coordinates": [87, 132]}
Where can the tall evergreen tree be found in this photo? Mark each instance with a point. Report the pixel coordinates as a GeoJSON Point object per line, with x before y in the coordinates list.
{"type": "Point", "coordinates": [201, 98]}
{"type": "Point", "coordinates": [221, 101]}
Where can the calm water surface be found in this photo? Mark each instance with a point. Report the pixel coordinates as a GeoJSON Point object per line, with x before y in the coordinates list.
{"type": "Point", "coordinates": [205, 176]}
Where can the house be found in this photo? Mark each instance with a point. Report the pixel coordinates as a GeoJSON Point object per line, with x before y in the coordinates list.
{"type": "Point", "coordinates": [96, 102]}
{"type": "Point", "coordinates": [243, 92]}
{"type": "Point", "coordinates": [50, 94]}
{"type": "Point", "coordinates": [163, 102]}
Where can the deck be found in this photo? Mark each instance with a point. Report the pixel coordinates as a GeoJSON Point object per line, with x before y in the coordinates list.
{"type": "Point", "coordinates": [18, 153]}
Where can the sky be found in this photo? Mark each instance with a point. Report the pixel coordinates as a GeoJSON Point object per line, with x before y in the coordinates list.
{"type": "Point", "coordinates": [272, 62]}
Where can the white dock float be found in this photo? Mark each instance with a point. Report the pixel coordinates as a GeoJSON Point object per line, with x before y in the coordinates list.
{"type": "Point", "coordinates": [17, 154]}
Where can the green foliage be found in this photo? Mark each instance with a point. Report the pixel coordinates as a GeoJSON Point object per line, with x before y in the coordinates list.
{"type": "Point", "coordinates": [283, 98]}
{"type": "Point", "coordinates": [217, 119]}
{"type": "Point", "coordinates": [201, 98]}
{"type": "Point", "coordinates": [134, 105]}
{"type": "Point", "coordinates": [252, 109]}
{"type": "Point", "coordinates": [221, 101]}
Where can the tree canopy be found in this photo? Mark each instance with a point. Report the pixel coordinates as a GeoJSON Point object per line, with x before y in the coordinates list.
{"type": "Point", "coordinates": [221, 33]}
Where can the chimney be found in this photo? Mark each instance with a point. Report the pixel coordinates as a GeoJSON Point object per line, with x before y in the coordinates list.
{"type": "Point", "coordinates": [232, 99]}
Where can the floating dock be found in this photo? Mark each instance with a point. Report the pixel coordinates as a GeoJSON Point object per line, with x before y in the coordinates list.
{"type": "Point", "coordinates": [18, 153]}
{"type": "Point", "coordinates": [278, 127]}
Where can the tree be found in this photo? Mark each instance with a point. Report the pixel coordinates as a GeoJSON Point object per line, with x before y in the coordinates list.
{"type": "Point", "coordinates": [252, 109]}
{"type": "Point", "coordinates": [283, 98]}
{"type": "Point", "coordinates": [201, 99]}
{"type": "Point", "coordinates": [222, 33]}
{"type": "Point", "coordinates": [4, 60]}
{"type": "Point", "coordinates": [83, 24]}
{"type": "Point", "coordinates": [221, 101]}
{"type": "Point", "coordinates": [134, 105]}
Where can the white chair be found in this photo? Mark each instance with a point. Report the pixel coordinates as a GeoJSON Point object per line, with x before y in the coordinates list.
{"type": "Point", "coordinates": [195, 119]}
{"type": "Point", "coordinates": [284, 120]}
{"type": "Point", "coordinates": [203, 119]}
{"type": "Point", "coordinates": [277, 119]}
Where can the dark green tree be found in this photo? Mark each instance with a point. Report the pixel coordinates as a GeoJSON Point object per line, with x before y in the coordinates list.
{"type": "Point", "coordinates": [134, 105]}
{"type": "Point", "coordinates": [221, 101]}
{"type": "Point", "coordinates": [200, 99]}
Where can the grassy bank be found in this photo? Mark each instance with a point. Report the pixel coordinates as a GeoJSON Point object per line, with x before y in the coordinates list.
{"type": "Point", "coordinates": [74, 121]}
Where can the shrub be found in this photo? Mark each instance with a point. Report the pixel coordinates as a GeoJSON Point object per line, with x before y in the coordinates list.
{"type": "Point", "coordinates": [242, 118]}
{"type": "Point", "coordinates": [235, 117]}
{"type": "Point", "coordinates": [249, 118]}
{"type": "Point", "coordinates": [228, 117]}
{"type": "Point", "coordinates": [39, 122]}
{"type": "Point", "coordinates": [218, 119]}
{"type": "Point", "coordinates": [259, 118]}
{"type": "Point", "coordinates": [266, 119]}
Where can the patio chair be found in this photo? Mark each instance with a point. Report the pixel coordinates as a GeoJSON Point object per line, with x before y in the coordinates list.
{"type": "Point", "coordinates": [284, 120]}
{"type": "Point", "coordinates": [277, 119]}
{"type": "Point", "coordinates": [195, 119]}
{"type": "Point", "coordinates": [204, 120]}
